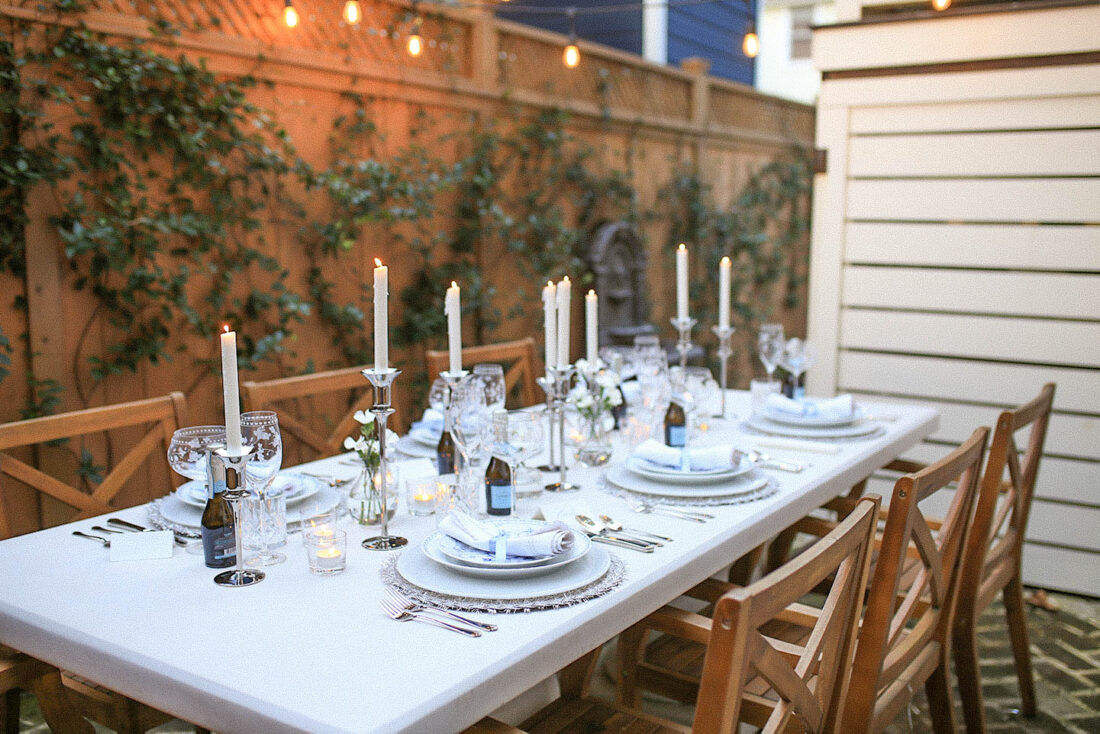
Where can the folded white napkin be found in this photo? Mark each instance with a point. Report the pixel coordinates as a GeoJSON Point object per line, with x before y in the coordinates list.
{"type": "Point", "coordinates": [688, 459]}
{"type": "Point", "coordinates": [834, 408]}
{"type": "Point", "coordinates": [547, 540]}
{"type": "Point", "coordinates": [430, 425]}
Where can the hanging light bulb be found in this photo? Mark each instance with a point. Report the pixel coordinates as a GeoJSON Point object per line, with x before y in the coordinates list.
{"type": "Point", "coordinates": [941, 4]}
{"type": "Point", "coordinates": [571, 57]}
{"type": "Point", "coordinates": [290, 15]}
{"type": "Point", "coordinates": [751, 43]}
{"type": "Point", "coordinates": [352, 12]}
{"type": "Point", "coordinates": [415, 44]}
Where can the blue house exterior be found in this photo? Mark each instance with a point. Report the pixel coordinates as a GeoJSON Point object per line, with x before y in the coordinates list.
{"type": "Point", "coordinates": [711, 30]}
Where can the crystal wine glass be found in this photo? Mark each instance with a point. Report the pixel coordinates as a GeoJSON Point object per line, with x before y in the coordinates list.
{"type": "Point", "coordinates": [472, 424]}
{"type": "Point", "coordinates": [798, 356]}
{"type": "Point", "coordinates": [492, 380]}
{"type": "Point", "coordinates": [260, 432]}
{"type": "Point", "coordinates": [189, 455]}
{"type": "Point", "coordinates": [770, 345]}
{"type": "Point", "coordinates": [525, 431]}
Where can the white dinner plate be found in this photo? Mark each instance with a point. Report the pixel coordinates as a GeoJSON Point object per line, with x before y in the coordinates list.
{"type": "Point", "coordinates": [475, 564]}
{"type": "Point", "coordinates": [426, 437]}
{"type": "Point", "coordinates": [649, 470]}
{"type": "Point", "coordinates": [174, 510]}
{"type": "Point", "coordinates": [622, 477]}
{"type": "Point", "coordinates": [464, 581]}
{"type": "Point", "coordinates": [297, 487]}
{"type": "Point", "coordinates": [813, 421]}
{"type": "Point", "coordinates": [863, 427]}
{"type": "Point", "coordinates": [409, 446]}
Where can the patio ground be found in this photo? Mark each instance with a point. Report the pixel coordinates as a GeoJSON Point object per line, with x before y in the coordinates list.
{"type": "Point", "coordinates": [1065, 648]}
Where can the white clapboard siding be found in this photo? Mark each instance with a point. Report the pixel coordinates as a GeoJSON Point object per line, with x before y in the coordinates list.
{"type": "Point", "coordinates": [966, 335]}
{"type": "Point", "coordinates": [1001, 114]}
{"type": "Point", "coordinates": [976, 200]}
{"type": "Point", "coordinates": [1022, 153]}
{"type": "Point", "coordinates": [956, 240]}
{"type": "Point", "coordinates": [987, 246]}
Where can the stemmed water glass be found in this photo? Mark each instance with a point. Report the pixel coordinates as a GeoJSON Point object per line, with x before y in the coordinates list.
{"type": "Point", "coordinates": [525, 433]}
{"type": "Point", "coordinates": [770, 345]}
{"type": "Point", "coordinates": [492, 380]}
{"type": "Point", "coordinates": [189, 455]}
{"type": "Point", "coordinates": [470, 427]}
{"type": "Point", "coordinates": [260, 432]}
{"type": "Point", "coordinates": [798, 356]}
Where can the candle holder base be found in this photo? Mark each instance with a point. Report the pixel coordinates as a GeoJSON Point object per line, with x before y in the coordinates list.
{"type": "Point", "coordinates": [385, 543]}
{"type": "Point", "coordinates": [561, 487]}
{"type": "Point", "coordinates": [549, 468]}
{"type": "Point", "coordinates": [244, 577]}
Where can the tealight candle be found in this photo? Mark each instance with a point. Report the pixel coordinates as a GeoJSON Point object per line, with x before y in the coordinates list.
{"type": "Point", "coordinates": [422, 496]}
{"type": "Point", "coordinates": [326, 550]}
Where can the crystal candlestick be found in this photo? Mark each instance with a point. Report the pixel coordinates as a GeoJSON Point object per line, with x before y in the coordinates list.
{"type": "Point", "coordinates": [559, 379]}
{"type": "Point", "coordinates": [683, 344]}
{"type": "Point", "coordinates": [724, 351]}
{"type": "Point", "coordinates": [382, 380]}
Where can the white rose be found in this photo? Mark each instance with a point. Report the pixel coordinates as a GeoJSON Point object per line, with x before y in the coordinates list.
{"type": "Point", "coordinates": [584, 401]}
{"type": "Point", "coordinates": [364, 417]}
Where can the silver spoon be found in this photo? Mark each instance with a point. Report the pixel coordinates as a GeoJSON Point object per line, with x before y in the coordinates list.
{"type": "Point", "coordinates": [106, 543]}
{"type": "Point", "coordinates": [596, 531]}
{"type": "Point", "coordinates": [618, 527]}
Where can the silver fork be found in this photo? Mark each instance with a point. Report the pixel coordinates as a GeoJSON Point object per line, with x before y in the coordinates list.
{"type": "Point", "coordinates": [763, 460]}
{"type": "Point", "coordinates": [414, 606]}
{"type": "Point", "coordinates": [393, 611]}
{"type": "Point", "coordinates": [672, 512]}
{"type": "Point", "coordinates": [106, 543]}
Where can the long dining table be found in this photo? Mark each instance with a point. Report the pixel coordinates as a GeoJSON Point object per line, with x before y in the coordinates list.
{"type": "Point", "coordinates": [301, 652]}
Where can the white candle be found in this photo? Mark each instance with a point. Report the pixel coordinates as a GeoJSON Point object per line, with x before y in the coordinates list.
{"type": "Point", "coordinates": [231, 392]}
{"type": "Point", "coordinates": [452, 307]}
{"type": "Point", "coordinates": [591, 327]}
{"type": "Point", "coordinates": [565, 295]}
{"type": "Point", "coordinates": [550, 323]}
{"type": "Point", "coordinates": [681, 282]}
{"type": "Point", "coordinates": [381, 316]}
{"type": "Point", "coordinates": [724, 293]}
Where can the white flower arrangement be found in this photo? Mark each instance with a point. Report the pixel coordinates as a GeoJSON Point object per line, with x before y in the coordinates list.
{"type": "Point", "coordinates": [366, 443]}
{"type": "Point", "coordinates": [594, 401]}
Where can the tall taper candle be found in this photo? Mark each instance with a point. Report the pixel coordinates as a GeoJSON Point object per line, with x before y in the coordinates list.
{"type": "Point", "coordinates": [452, 307]}
{"type": "Point", "coordinates": [591, 327]}
{"type": "Point", "coordinates": [681, 282]}
{"type": "Point", "coordinates": [550, 323]}
{"type": "Point", "coordinates": [565, 297]}
{"type": "Point", "coordinates": [231, 392]}
{"type": "Point", "coordinates": [381, 316]}
{"type": "Point", "coordinates": [724, 293]}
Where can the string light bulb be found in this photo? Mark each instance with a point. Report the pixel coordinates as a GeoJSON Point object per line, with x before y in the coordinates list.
{"type": "Point", "coordinates": [415, 44]}
{"type": "Point", "coordinates": [352, 13]}
{"type": "Point", "coordinates": [571, 57]}
{"type": "Point", "coordinates": [751, 43]}
{"type": "Point", "coordinates": [941, 4]}
{"type": "Point", "coordinates": [290, 15]}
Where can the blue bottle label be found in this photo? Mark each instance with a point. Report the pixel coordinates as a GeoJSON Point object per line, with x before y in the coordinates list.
{"type": "Point", "coordinates": [502, 496]}
{"type": "Point", "coordinates": [677, 436]}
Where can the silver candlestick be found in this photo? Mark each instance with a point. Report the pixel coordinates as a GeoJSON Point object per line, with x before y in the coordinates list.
{"type": "Point", "coordinates": [549, 386]}
{"type": "Point", "coordinates": [232, 470]}
{"type": "Point", "coordinates": [559, 378]}
{"type": "Point", "coordinates": [683, 345]}
{"type": "Point", "coordinates": [723, 333]}
{"type": "Point", "coordinates": [382, 380]}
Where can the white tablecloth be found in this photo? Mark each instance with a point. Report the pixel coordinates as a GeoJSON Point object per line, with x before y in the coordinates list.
{"type": "Point", "coordinates": [305, 653]}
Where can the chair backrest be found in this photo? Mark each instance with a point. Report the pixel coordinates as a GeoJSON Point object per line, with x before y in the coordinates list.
{"type": "Point", "coordinates": [906, 625]}
{"type": "Point", "coordinates": [89, 498]}
{"type": "Point", "coordinates": [807, 681]}
{"type": "Point", "coordinates": [345, 390]}
{"type": "Point", "coordinates": [517, 357]}
{"type": "Point", "coordinates": [995, 541]}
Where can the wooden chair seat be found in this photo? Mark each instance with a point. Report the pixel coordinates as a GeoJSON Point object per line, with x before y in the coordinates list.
{"type": "Point", "coordinates": [517, 357]}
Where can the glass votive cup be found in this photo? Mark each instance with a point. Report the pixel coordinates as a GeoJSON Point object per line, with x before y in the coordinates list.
{"type": "Point", "coordinates": [327, 550]}
{"type": "Point", "coordinates": [760, 390]}
{"type": "Point", "coordinates": [420, 495]}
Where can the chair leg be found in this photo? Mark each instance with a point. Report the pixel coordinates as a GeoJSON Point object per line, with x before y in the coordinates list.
{"type": "Point", "coordinates": [779, 550]}
{"type": "Point", "coordinates": [10, 711]}
{"type": "Point", "coordinates": [1016, 613]}
{"type": "Point", "coordinates": [938, 690]}
{"type": "Point", "coordinates": [630, 650]}
{"type": "Point", "coordinates": [741, 571]}
{"type": "Point", "coordinates": [57, 709]}
{"type": "Point", "coordinates": [968, 672]}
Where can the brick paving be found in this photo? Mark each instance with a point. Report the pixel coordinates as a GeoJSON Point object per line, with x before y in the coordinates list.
{"type": "Point", "coordinates": [1065, 654]}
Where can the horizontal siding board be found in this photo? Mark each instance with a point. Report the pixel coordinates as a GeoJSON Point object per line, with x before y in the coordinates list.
{"type": "Point", "coordinates": [964, 380]}
{"type": "Point", "coordinates": [975, 200]}
{"type": "Point", "coordinates": [1028, 153]}
{"type": "Point", "coordinates": [983, 337]}
{"type": "Point", "coordinates": [1007, 246]}
{"type": "Point", "coordinates": [1060, 569]}
{"type": "Point", "coordinates": [1065, 295]}
{"type": "Point", "coordinates": [1001, 114]}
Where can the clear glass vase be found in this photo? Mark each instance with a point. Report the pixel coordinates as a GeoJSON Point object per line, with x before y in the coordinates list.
{"type": "Point", "coordinates": [595, 448]}
{"type": "Point", "coordinates": [365, 499]}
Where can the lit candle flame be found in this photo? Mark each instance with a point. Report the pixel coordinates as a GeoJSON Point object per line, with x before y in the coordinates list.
{"type": "Point", "coordinates": [377, 262]}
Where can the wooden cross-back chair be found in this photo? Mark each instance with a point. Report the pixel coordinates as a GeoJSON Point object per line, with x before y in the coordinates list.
{"type": "Point", "coordinates": [517, 357]}
{"type": "Point", "coordinates": [749, 675]}
{"type": "Point", "coordinates": [994, 546]}
{"type": "Point", "coordinates": [65, 700]}
{"type": "Point", "coordinates": [905, 637]}
{"type": "Point", "coordinates": [165, 414]}
{"type": "Point", "coordinates": [290, 397]}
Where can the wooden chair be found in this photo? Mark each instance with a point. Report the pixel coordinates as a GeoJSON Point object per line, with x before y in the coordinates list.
{"type": "Point", "coordinates": [994, 545]}
{"type": "Point", "coordinates": [747, 674]}
{"type": "Point", "coordinates": [904, 640]}
{"type": "Point", "coordinates": [301, 390]}
{"type": "Point", "coordinates": [65, 699]}
{"type": "Point", "coordinates": [517, 357]}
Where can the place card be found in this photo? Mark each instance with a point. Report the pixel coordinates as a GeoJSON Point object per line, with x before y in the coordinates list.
{"type": "Point", "coordinates": [794, 444]}
{"type": "Point", "coordinates": [142, 546]}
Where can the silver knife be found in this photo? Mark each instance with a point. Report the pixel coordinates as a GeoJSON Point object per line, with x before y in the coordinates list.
{"type": "Point", "coordinates": [621, 542]}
